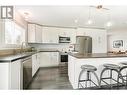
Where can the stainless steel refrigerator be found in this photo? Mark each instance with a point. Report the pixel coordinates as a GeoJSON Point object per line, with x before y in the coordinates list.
{"type": "Point", "coordinates": [83, 44]}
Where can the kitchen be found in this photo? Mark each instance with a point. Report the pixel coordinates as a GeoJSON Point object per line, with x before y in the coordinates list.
{"type": "Point", "coordinates": [41, 50]}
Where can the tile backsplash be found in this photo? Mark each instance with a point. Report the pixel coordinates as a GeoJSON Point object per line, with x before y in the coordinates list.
{"type": "Point", "coordinates": [60, 47]}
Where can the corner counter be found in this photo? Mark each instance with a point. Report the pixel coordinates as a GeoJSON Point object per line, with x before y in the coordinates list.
{"type": "Point", "coordinates": [76, 60]}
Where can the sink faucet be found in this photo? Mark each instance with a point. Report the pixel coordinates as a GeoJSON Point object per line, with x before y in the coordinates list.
{"type": "Point", "coordinates": [22, 47]}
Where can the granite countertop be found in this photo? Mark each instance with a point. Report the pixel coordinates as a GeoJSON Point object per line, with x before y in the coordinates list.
{"type": "Point", "coordinates": [14, 57]}
{"type": "Point", "coordinates": [11, 58]}
{"type": "Point", "coordinates": [48, 50]}
{"type": "Point", "coordinates": [97, 55]}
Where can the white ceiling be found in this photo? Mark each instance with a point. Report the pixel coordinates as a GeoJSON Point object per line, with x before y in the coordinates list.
{"type": "Point", "coordinates": [66, 15]}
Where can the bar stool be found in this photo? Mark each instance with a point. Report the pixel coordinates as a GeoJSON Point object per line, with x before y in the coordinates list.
{"type": "Point", "coordinates": [124, 76]}
{"type": "Point", "coordinates": [88, 69]}
{"type": "Point", "coordinates": [111, 68]}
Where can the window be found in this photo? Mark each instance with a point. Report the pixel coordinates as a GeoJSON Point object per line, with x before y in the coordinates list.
{"type": "Point", "coordinates": [14, 34]}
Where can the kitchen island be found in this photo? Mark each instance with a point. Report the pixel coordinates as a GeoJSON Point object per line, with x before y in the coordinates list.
{"type": "Point", "coordinates": [76, 60]}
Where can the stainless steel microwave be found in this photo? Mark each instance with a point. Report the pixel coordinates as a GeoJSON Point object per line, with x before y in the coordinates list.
{"type": "Point", "coordinates": [64, 39]}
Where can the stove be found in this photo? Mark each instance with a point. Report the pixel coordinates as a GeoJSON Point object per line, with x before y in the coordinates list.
{"type": "Point", "coordinates": [63, 66]}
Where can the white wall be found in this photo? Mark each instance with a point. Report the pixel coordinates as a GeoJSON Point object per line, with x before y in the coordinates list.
{"type": "Point", "coordinates": [117, 34]}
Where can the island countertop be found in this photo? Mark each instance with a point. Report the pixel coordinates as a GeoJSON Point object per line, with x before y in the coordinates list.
{"type": "Point", "coordinates": [96, 55]}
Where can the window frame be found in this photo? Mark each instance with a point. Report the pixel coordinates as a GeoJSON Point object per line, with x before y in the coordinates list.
{"type": "Point", "coordinates": [10, 46]}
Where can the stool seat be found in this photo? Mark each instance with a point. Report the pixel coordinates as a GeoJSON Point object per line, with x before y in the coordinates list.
{"type": "Point", "coordinates": [88, 68]}
{"type": "Point", "coordinates": [111, 66]}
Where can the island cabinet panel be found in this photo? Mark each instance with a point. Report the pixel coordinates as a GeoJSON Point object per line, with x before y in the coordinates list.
{"type": "Point", "coordinates": [76, 64]}
{"type": "Point", "coordinates": [71, 67]}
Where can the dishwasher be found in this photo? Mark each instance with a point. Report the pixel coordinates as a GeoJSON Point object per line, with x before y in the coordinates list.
{"type": "Point", "coordinates": [27, 71]}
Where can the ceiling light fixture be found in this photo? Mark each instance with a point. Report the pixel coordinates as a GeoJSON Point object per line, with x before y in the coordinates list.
{"type": "Point", "coordinates": [109, 22]}
{"type": "Point", "coordinates": [26, 15]}
{"type": "Point", "coordinates": [90, 21]}
{"type": "Point", "coordinates": [76, 21]}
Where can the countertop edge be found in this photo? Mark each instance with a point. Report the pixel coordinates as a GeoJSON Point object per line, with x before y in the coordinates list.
{"type": "Point", "coordinates": [102, 55]}
{"type": "Point", "coordinates": [4, 60]}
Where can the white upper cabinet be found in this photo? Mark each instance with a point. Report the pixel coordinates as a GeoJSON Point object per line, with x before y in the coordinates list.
{"type": "Point", "coordinates": [50, 35]}
{"type": "Point", "coordinates": [34, 33]}
{"type": "Point", "coordinates": [38, 33]}
{"type": "Point", "coordinates": [99, 38]}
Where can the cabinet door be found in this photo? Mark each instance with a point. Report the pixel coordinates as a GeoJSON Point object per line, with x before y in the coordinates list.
{"type": "Point", "coordinates": [54, 58]}
{"type": "Point", "coordinates": [34, 64]}
{"type": "Point", "coordinates": [72, 36]}
{"type": "Point", "coordinates": [99, 40]}
{"type": "Point", "coordinates": [46, 35]}
{"type": "Point", "coordinates": [38, 60]}
{"type": "Point", "coordinates": [45, 59]}
{"type": "Point", "coordinates": [15, 75]}
{"type": "Point", "coordinates": [50, 34]}
{"type": "Point", "coordinates": [31, 33]}
{"type": "Point", "coordinates": [38, 34]}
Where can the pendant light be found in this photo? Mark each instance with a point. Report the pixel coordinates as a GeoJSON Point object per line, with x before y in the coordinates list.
{"type": "Point", "coordinates": [90, 21]}
{"type": "Point", "coordinates": [109, 22]}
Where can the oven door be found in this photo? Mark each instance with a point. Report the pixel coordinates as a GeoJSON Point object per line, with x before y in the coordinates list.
{"type": "Point", "coordinates": [64, 58]}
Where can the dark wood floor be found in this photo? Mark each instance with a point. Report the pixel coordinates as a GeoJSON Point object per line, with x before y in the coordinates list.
{"type": "Point", "coordinates": [53, 79]}
{"type": "Point", "coordinates": [50, 78]}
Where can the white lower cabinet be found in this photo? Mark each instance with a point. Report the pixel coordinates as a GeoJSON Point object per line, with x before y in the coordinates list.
{"type": "Point", "coordinates": [49, 59]}
{"type": "Point", "coordinates": [15, 79]}
{"type": "Point", "coordinates": [35, 63]}
{"type": "Point", "coordinates": [10, 74]}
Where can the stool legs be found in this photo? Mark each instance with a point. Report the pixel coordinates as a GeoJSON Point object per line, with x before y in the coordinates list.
{"type": "Point", "coordinates": [122, 76]}
{"type": "Point", "coordinates": [96, 78]}
{"type": "Point", "coordinates": [80, 77]}
{"type": "Point", "coordinates": [111, 78]}
{"type": "Point", "coordinates": [88, 79]}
